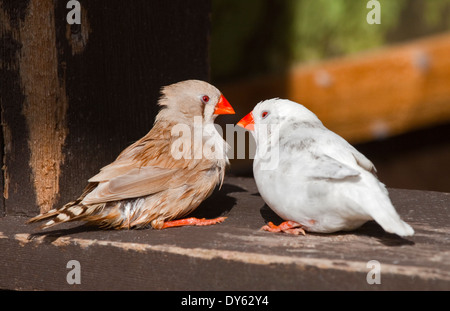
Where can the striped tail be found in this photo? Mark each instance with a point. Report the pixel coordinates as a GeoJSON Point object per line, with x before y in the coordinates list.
{"type": "Point", "coordinates": [68, 212]}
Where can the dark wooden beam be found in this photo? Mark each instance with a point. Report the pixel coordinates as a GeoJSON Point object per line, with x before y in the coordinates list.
{"type": "Point", "coordinates": [73, 96]}
{"type": "Point", "coordinates": [234, 255]}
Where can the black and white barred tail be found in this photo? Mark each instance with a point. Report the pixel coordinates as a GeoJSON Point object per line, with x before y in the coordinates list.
{"type": "Point", "coordinates": [69, 212]}
{"type": "Point", "coordinates": [123, 214]}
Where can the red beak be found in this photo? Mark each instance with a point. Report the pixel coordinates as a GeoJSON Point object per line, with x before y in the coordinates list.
{"type": "Point", "coordinates": [223, 106]}
{"type": "Point", "coordinates": [247, 122]}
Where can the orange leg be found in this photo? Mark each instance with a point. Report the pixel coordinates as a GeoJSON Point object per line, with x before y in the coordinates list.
{"type": "Point", "coordinates": [289, 226]}
{"type": "Point", "coordinates": [192, 221]}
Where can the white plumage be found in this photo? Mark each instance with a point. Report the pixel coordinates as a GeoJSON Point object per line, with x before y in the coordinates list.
{"type": "Point", "coordinates": [313, 177]}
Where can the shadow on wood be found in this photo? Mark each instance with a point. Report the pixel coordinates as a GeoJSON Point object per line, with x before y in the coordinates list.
{"type": "Point", "coordinates": [370, 229]}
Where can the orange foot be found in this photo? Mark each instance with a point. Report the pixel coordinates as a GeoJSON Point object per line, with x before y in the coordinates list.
{"type": "Point", "coordinates": [192, 221]}
{"type": "Point", "coordinates": [289, 226]}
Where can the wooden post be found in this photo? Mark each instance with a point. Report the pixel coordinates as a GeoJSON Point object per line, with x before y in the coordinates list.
{"type": "Point", "coordinates": [73, 96]}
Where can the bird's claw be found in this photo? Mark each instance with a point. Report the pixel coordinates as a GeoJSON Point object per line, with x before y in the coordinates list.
{"type": "Point", "coordinates": [290, 227]}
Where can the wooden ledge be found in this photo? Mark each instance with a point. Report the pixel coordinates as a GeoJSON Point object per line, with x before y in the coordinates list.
{"type": "Point", "coordinates": [233, 255]}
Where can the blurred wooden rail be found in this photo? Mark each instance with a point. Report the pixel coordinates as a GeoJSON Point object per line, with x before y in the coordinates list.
{"type": "Point", "coordinates": [368, 96]}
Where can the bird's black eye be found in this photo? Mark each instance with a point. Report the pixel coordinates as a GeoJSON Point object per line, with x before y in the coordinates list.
{"type": "Point", "coordinates": [264, 114]}
{"type": "Point", "coordinates": [205, 98]}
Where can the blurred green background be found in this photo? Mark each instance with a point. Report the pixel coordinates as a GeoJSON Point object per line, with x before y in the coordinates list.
{"type": "Point", "coordinates": [254, 38]}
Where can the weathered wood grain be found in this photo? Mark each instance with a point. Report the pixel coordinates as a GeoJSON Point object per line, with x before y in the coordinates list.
{"type": "Point", "coordinates": [234, 255]}
{"type": "Point", "coordinates": [73, 96]}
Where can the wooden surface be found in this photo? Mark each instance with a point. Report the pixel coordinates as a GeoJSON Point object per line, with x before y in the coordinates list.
{"type": "Point", "coordinates": [366, 96]}
{"type": "Point", "coordinates": [234, 255]}
{"type": "Point", "coordinates": [73, 96]}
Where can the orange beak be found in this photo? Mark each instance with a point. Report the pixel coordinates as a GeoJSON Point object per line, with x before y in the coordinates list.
{"type": "Point", "coordinates": [247, 122]}
{"type": "Point", "coordinates": [223, 106]}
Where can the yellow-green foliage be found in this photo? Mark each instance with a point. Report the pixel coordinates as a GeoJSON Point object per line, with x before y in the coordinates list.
{"type": "Point", "coordinates": [258, 36]}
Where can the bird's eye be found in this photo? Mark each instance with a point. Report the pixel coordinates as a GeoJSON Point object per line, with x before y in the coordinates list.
{"type": "Point", "coordinates": [205, 98]}
{"type": "Point", "coordinates": [264, 114]}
